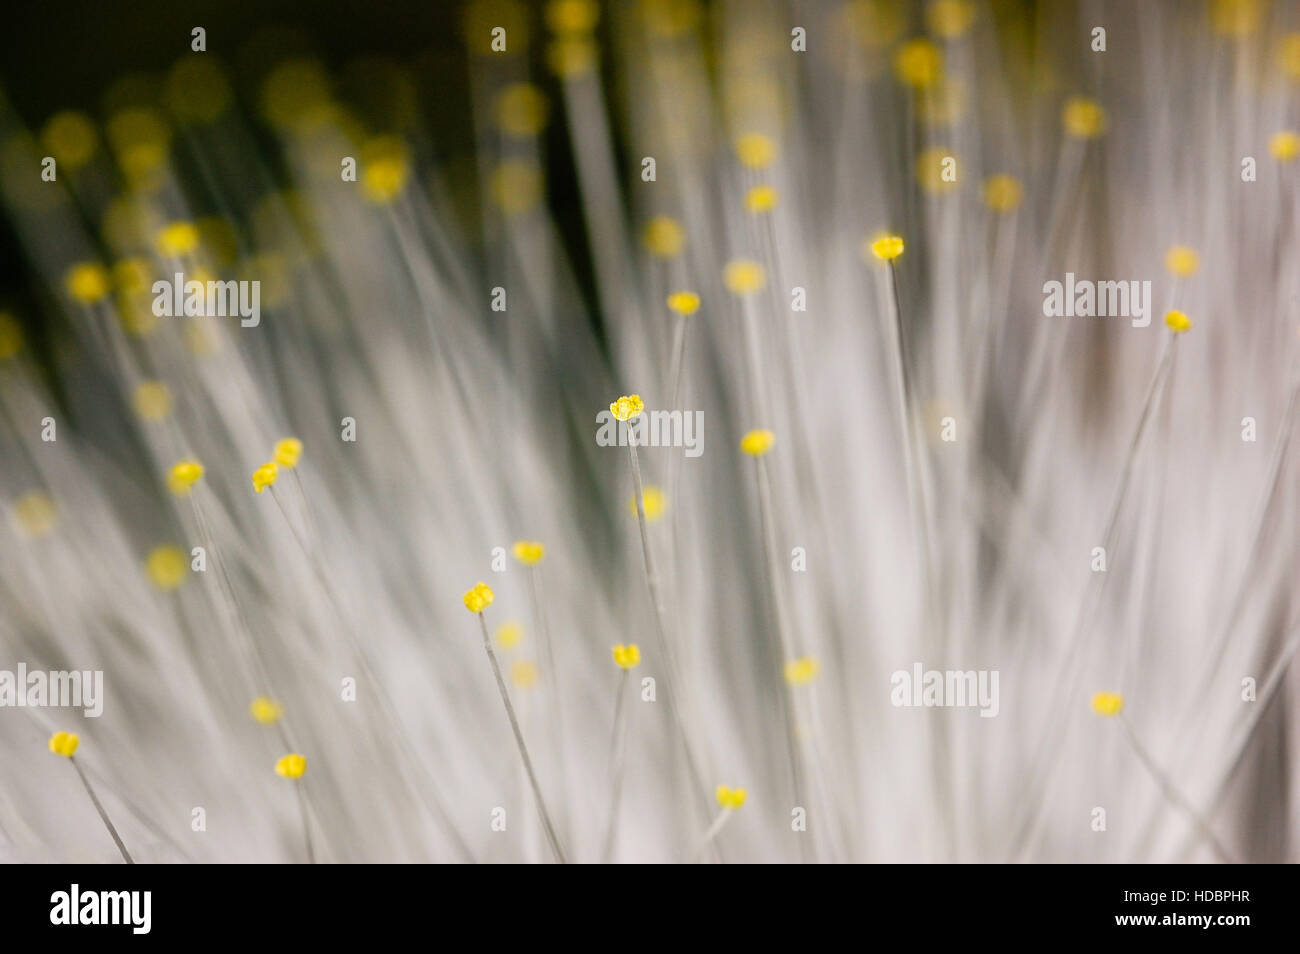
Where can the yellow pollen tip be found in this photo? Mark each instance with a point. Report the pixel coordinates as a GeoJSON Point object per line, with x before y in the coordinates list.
{"type": "Point", "coordinates": [1107, 703]}
{"type": "Point", "coordinates": [153, 401]}
{"type": "Point", "coordinates": [36, 514]}
{"type": "Point", "coordinates": [663, 236]}
{"type": "Point", "coordinates": [184, 475]}
{"type": "Point", "coordinates": [292, 765]}
{"type": "Point", "coordinates": [729, 798]}
{"type": "Point", "coordinates": [762, 198]}
{"type": "Point", "coordinates": [287, 453]}
{"type": "Point", "coordinates": [1177, 322]}
{"type": "Point", "coordinates": [166, 567]}
{"type": "Point", "coordinates": [529, 552]}
{"type": "Point", "coordinates": [265, 476]}
{"type": "Point", "coordinates": [627, 407]}
{"type": "Point", "coordinates": [87, 283]}
{"type": "Point", "coordinates": [478, 598]}
{"type": "Point", "coordinates": [755, 150]}
{"type": "Point", "coordinates": [1182, 261]}
{"type": "Point", "coordinates": [1084, 118]}
{"type": "Point", "coordinates": [266, 711]}
{"type": "Point", "coordinates": [757, 443]}
{"type": "Point", "coordinates": [743, 277]}
{"type": "Point", "coordinates": [683, 303]}
{"type": "Point", "coordinates": [800, 672]}
{"type": "Point", "coordinates": [1285, 146]}
{"type": "Point", "coordinates": [509, 635]}
{"type": "Point", "coordinates": [65, 744]}
{"type": "Point", "coordinates": [887, 247]}
{"type": "Point", "coordinates": [524, 673]}
{"type": "Point", "coordinates": [1002, 193]}
{"type": "Point", "coordinates": [653, 501]}
{"type": "Point", "coordinates": [625, 657]}
{"type": "Point", "coordinates": [177, 239]}
{"type": "Point", "coordinates": [919, 64]}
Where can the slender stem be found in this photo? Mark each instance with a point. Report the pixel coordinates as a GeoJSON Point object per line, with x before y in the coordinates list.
{"type": "Point", "coordinates": [551, 676]}
{"type": "Point", "coordinates": [719, 823]}
{"type": "Point", "coordinates": [616, 756]}
{"type": "Point", "coordinates": [519, 740]}
{"type": "Point", "coordinates": [306, 822]}
{"type": "Point", "coordinates": [103, 815]}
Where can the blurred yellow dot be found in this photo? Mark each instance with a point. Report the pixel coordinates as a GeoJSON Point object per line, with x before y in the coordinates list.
{"type": "Point", "coordinates": [874, 23]}
{"type": "Point", "coordinates": [1002, 192]}
{"type": "Point", "coordinates": [1107, 703]}
{"type": "Point", "coordinates": [572, 16]}
{"type": "Point", "coordinates": [1284, 146]}
{"type": "Point", "coordinates": [1182, 261]}
{"type": "Point", "coordinates": [884, 247]}
{"type": "Point", "coordinates": [293, 91]}
{"type": "Point", "coordinates": [670, 18]}
{"type": "Point", "coordinates": [11, 336]}
{"type": "Point", "coordinates": [1235, 17]}
{"type": "Point", "coordinates": [521, 110]}
{"type": "Point", "coordinates": [481, 17]}
{"type": "Point", "coordinates": [571, 56]}
{"type": "Point", "coordinates": [653, 501]}
{"type": "Point", "coordinates": [802, 671]}
{"type": "Point", "coordinates": [153, 401]}
{"type": "Point", "coordinates": [664, 236]}
{"type": "Point", "coordinates": [1288, 55]}
{"type": "Point", "coordinates": [949, 18]}
{"type": "Point", "coordinates": [265, 710]}
{"type": "Point", "coordinates": [385, 168]}
{"type": "Point", "coordinates": [744, 277]}
{"type": "Point", "coordinates": [70, 138]}
{"type": "Point", "coordinates": [87, 283]}
{"type": "Point", "coordinates": [919, 63]}
{"type": "Point", "coordinates": [177, 239]}
{"type": "Point", "coordinates": [683, 303]}
{"type": "Point", "coordinates": [509, 634]}
{"type": "Point", "coordinates": [1084, 118]}
{"type": "Point", "coordinates": [196, 90]}
{"type": "Point", "coordinates": [167, 567]}
{"type": "Point", "coordinates": [517, 186]}
{"type": "Point", "coordinates": [936, 170]}
{"type": "Point", "coordinates": [36, 514]}
{"type": "Point", "coordinates": [756, 443]}
{"type": "Point", "coordinates": [761, 198]}
{"type": "Point", "coordinates": [523, 673]}
{"type": "Point", "coordinates": [755, 150]}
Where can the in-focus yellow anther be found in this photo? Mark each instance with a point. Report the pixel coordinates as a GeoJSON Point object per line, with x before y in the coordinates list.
{"type": "Point", "coordinates": [176, 239]}
{"type": "Point", "coordinates": [663, 236]}
{"type": "Point", "coordinates": [509, 634]}
{"type": "Point", "coordinates": [1284, 146]}
{"type": "Point", "coordinates": [1182, 261]}
{"type": "Point", "coordinates": [729, 798]}
{"type": "Point", "coordinates": [743, 277]}
{"type": "Point", "coordinates": [287, 453]}
{"type": "Point", "coordinates": [801, 671]}
{"type": "Point", "coordinates": [949, 18]}
{"type": "Point", "coordinates": [1177, 321]}
{"type": "Point", "coordinates": [166, 567]}
{"type": "Point", "coordinates": [523, 673]}
{"type": "Point", "coordinates": [625, 657]}
{"type": "Point", "coordinates": [627, 407]}
{"type": "Point", "coordinates": [653, 501]}
{"type": "Point", "coordinates": [683, 303]}
{"type": "Point", "coordinates": [478, 597]}
{"type": "Point", "coordinates": [757, 443]}
{"type": "Point", "coordinates": [184, 475]}
{"type": "Point", "coordinates": [292, 765]}
{"type": "Point", "coordinates": [87, 283]}
{"type": "Point", "coordinates": [755, 150]}
{"type": "Point", "coordinates": [65, 744]}
{"type": "Point", "coordinates": [762, 198]}
{"type": "Point", "coordinates": [11, 336]}
{"type": "Point", "coordinates": [36, 514]}
{"type": "Point", "coordinates": [887, 247]}
{"type": "Point", "coordinates": [1002, 193]}
{"type": "Point", "coordinates": [1084, 118]}
{"type": "Point", "coordinates": [153, 401]}
{"type": "Point", "coordinates": [265, 476]}
{"type": "Point", "coordinates": [919, 63]}
{"type": "Point", "coordinates": [529, 552]}
{"type": "Point", "coordinates": [1107, 703]}
{"type": "Point", "coordinates": [265, 710]}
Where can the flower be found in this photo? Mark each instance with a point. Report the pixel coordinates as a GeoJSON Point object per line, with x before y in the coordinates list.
{"type": "Point", "coordinates": [887, 247]}
{"type": "Point", "coordinates": [1083, 118]}
{"type": "Point", "coordinates": [265, 476]}
{"type": "Point", "coordinates": [478, 598]}
{"type": "Point", "coordinates": [176, 239]}
{"type": "Point", "coordinates": [288, 451]}
{"type": "Point", "coordinates": [1177, 321]}
{"type": "Point", "coordinates": [627, 656]}
{"type": "Point", "coordinates": [757, 443]}
{"type": "Point", "coordinates": [800, 672]}
{"type": "Point", "coordinates": [755, 150]}
{"type": "Point", "coordinates": [1002, 192]}
{"type": "Point", "coordinates": [663, 236]}
{"type": "Point", "coordinates": [292, 765]}
{"type": "Point", "coordinates": [1284, 146]}
{"type": "Point", "coordinates": [529, 552]}
{"type": "Point", "coordinates": [64, 743]}
{"type": "Point", "coordinates": [1182, 261]}
{"type": "Point", "coordinates": [266, 711]}
{"type": "Point", "coordinates": [184, 475]}
{"type": "Point", "coordinates": [730, 798]}
{"type": "Point", "coordinates": [509, 634]}
{"type": "Point", "coordinates": [761, 198]}
{"type": "Point", "coordinates": [653, 503]}
{"type": "Point", "coordinates": [627, 407]}
{"type": "Point", "coordinates": [743, 277]}
{"type": "Point", "coordinates": [1107, 703]}
{"type": "Point", "coordinates": [87, 282]}
{"type": "Point", "coordinates": [166, 567]}
{"type": "Point", "coordinates": [684, 303]}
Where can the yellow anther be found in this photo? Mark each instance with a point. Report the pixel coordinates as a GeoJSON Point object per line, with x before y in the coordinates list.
{"type": "Point", "coordinates": [87, 283]}
{"type": "Point", "coordinates": [627, 407]}
{"type": "Point", "coordinates": [65, 744]}
{"type": "Point", "coordinates": [265, 710]}
{"type": "Point", "coordinates": [729, 798]}
{"type": "Point", "coordinates": [1107, 703]}
{"type": "Point", "coordinates": [184, 475]}
{"type": "Point", "coordinates": [757, 443]}
{"type": "Point", "coordinates": [529, 552]}
{"type": "Point", "coordinates": [743, 277]}
{"type": "Point", "coordinates": [292, 765]}
{"type": "Point", "coordinates": [683, 303]}
{"type": "Point", "coordinates": [166, 567]}
{"type": "Point", "coordinates": [625, 657]}
{"type": "Point", "coordinates": [265, 476]}
{"type": "Point", "coordinates": [478, 598]}
{"type": "Point", "coordinates": [287, 453]}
